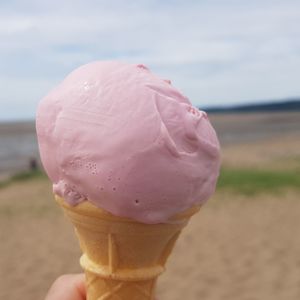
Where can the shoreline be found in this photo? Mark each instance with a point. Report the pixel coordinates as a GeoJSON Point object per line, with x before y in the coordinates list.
{"type": "Point", "coordinates": [19, 142]}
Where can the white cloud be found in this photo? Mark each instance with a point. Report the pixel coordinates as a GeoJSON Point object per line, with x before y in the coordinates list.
{"type": "Point", "coordinates": [14, 25]}
{"type": "Point", "coordinates": [19, 97]}
{"type": "Point", "coordinates": [215, 51]}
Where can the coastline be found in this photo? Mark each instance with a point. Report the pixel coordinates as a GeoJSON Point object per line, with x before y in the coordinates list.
{"type": "Point", "coordinates": [18, 143]}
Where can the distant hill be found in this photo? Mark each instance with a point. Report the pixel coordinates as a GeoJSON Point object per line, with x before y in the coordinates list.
{"type": "Point", "coordinates": [284, 105]}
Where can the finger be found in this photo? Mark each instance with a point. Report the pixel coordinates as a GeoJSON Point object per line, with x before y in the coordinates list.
{"type": "Point", "coordinates": [68, 287]}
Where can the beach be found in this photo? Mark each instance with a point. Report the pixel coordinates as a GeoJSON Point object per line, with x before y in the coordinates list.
{"type": "Point", "coordinates": [242, 245]}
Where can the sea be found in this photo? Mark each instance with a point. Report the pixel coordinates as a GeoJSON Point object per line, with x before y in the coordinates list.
{"type": "Point", "coordinates": [18, 146]}
{"type": "Point", "coordinates": [18, 143]}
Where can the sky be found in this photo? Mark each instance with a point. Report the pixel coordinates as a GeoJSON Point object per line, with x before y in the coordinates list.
{"type": "Point", "coordinates": [217, 52]}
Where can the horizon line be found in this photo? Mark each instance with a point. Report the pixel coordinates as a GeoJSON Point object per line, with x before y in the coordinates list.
{"type": "Point", "coordinates": [220, 107]}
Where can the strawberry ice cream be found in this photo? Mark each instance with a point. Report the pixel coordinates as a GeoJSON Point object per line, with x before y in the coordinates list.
{"type": "Point", "coordinates": [126, 140]}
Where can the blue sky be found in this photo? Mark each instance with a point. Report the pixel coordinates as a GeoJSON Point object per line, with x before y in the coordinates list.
{"type": "Point", "coordinates": [214, 51]}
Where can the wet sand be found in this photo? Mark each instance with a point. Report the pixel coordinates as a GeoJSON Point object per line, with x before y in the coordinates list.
{"type": "Point", "coordinates": [17, 145]}
{"type": "Point", "coordinates": [18, 140]}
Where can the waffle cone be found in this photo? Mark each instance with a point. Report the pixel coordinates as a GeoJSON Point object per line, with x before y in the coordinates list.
{"type": "Point", "coordinates": [122, 258]}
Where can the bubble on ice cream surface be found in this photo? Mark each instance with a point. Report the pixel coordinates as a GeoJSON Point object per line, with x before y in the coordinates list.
{"type": "Point", "coordinates": [115, 133]}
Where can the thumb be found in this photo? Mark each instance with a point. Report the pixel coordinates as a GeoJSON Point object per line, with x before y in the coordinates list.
{"type": "Point", "coordinates": [68, 287]}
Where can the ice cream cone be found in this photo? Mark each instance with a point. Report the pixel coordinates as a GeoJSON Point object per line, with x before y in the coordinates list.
{"type": "Point", "coordinates": [122, 258]}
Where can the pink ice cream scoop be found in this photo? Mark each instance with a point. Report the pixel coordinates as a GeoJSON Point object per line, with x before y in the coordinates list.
{"type": "Point", "coordinates": [126, 140]}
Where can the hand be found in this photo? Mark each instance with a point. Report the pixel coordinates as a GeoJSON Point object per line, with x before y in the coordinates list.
{"type": "Point", "coordinates": [68, 287]}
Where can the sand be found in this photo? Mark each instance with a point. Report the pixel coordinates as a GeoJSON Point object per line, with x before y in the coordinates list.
{"type": "Point", "coordinates": [237, 248]}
